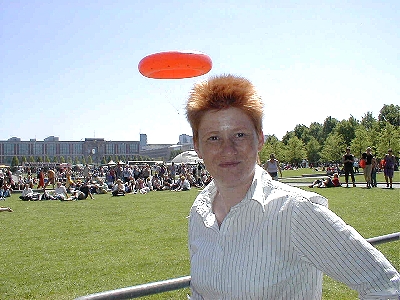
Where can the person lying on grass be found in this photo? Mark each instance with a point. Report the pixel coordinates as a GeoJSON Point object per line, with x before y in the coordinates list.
{"type": "Point", "coordinates": [327, 183]}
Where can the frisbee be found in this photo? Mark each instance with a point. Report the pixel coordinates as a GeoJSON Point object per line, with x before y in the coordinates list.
{"type": "Point", "coordinates": [175, 65]}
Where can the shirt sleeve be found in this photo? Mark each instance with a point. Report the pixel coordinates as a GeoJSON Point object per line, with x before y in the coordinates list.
{"type": "Point", "coordinates": [338, 250]}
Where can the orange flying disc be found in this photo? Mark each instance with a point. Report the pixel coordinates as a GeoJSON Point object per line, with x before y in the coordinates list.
{"type": "Point", "coordinates": [175, 65]}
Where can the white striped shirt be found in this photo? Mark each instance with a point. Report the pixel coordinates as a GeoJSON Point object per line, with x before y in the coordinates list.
{"type": "Point", "coordinates": [276, 243]}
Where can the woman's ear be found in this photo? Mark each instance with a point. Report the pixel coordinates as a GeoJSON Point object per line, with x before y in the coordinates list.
{"type": "Point", "coordinates": [260, 140]}
{"type": "Point", "coordinates": [196, 148]}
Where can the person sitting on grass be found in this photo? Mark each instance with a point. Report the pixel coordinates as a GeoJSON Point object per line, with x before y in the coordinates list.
{"type": "Point", "coordinates": [60, 192]}
{"type": "Point", "coordinates": [82, 193]}
{"type": "Point", "coordinates": [182, 184]}
{"type": "Point", "coordinates": [101, 187]}
{"type": "Point", "coordinates": [118, 189]}
{"type": "Point", "coordinates": [5, 190]}
{"type": "Point", "coordinates": [327, 183]}
{"type": "Point", "coordinates": [28, 194]}
{"type": "Point", "coordinates": [157, 184]}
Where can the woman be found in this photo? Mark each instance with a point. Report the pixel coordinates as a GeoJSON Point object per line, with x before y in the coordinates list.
{"type": "Point", "coordinates": [348, 163]}
{"type": "Point", "coordinates": [27, 193]}
{"type": "Point", "coordinates": [368, 157]}
{"type": "Point", "coordinates": [251, 237]}
{"type": "Point", "coordinates": [272, 167]}
{"type": "Point", "coordinates": [388, 170]}
{"type": "Point", "coordinates": [41, 179]}
{"type": "Point", "coordinates": [69, 182]}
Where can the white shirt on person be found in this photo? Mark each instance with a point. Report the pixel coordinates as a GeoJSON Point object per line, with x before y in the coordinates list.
{"type": "Point", "coordinates": [27, 192]}
{"type": "Point", "coordinates": [276, 243]}
{"type": "Point", "coordinates": [185, 184]}
{"type": "Point", "coordinates": [60, 190]}
{"type": "Point", "coordinates": [272, 166]}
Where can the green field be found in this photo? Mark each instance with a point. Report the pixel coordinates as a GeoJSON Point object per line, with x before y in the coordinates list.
{"type": "Point", "coordinates": [62, 250]}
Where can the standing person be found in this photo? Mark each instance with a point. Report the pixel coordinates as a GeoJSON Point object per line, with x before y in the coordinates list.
{"type": "Point", "coordinates": [348, 163]}
{"type": "Point", "coordinates": [389, 162]}
{"type": "Point", "coordinates": [68, 175]}
{"type": "Point", "coordinates": [172, 172]}
{"type": "Point", "coordinates": [272, 167]}
{"type": "Point", "coordinates": [374, 167]}
{"type": "Point", "coordinates": [367, 156]}
{"type": "Point", "coordinates": [51, 178]}
{"type": "Point", "coordinates": [86, 173]}
{"type": "Point", "coordinates": [251, 237]}
{"type": "Point", "coordinates": [41, 179]}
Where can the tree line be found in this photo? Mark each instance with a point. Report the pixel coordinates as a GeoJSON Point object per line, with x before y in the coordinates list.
{"type": "Point", "coordinates": [77, 160]}
{"type": "Point", "coordinates": [326, 143]}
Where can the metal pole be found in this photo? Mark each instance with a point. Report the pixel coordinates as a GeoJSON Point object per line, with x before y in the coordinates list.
{"type": "Point", "coordinates": [141, 290]}
{"type": "Point", "coordinates": [184, 282]}
{"type": "Point", "coordinates": [384, 238]}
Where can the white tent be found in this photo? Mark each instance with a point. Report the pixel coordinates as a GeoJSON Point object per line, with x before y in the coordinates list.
{"type": "Point", "coordinates": [111, 163]}
{"type": "Point", "coordinates": [187, 157]}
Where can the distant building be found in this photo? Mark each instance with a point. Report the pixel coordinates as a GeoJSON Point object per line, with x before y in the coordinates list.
{"type": "Point", "coordinates": [185, 139]}
{"type": "Point", "coordinates": [143, 141]}
{"type": "Point", "coordinates": [96, 148]}
{"type": "Point", "coordinates": [51, 147]}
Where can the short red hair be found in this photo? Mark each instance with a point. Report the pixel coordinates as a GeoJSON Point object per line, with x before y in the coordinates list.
{"type": "Point", "coordinates": [221, 92]}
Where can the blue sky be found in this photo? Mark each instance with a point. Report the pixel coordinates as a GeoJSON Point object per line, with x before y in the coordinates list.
{"type": "Point", "coordinates": [70, 68]}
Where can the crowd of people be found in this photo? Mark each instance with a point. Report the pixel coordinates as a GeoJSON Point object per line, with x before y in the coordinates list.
{"type": "Point", "coordinates": [80, 183]}
{"type": "Point", "coordinates": [123, 179]}
{"type": "Point", "coordinates": [370, 165]}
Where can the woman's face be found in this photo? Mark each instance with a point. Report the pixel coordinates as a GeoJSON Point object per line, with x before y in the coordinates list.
{"type": "Point", "coordinates": [229, 144]}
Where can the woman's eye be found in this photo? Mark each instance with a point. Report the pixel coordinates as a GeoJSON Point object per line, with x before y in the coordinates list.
{"type": "Point", "coordinates": [213, 138]}
{"type": "Point", "coordinates": [240, 134]}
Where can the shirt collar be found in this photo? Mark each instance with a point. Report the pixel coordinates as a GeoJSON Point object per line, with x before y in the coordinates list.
{"type": "Point", "coordinates": [256, 192]}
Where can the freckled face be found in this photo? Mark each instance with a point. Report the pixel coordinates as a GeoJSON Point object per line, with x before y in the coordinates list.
{"type": "Point", "coordinates": [229, 143]}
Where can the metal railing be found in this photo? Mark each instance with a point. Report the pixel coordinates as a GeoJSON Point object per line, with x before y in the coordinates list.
{"type": "Point", "coordinates": [184, 282]}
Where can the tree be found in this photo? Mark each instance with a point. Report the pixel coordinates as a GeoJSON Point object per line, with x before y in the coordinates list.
{"type": "Point", "coordinates": [271, 145]}
{"type": "Point", "coordinates": [295, 151]}
{"type": "Point", "coordinates": [287, 137]}
{"type": "Point", "coordinates": [302, 132]}
{"type": "Point", "coordinates": [368, 120]}
{"type": "Point", "coordinates": [391, 114]}
{"type": "Point", "coordinates": [15, 162]}
{"type": "Point", "coordinates": [388, 138]}
{"type": "Point", "coordinates": [313, 149]}
{"type": "Point", "coordinates": [360, 142]}
{"type": "Point", "coordinates": [316, 131]}
{"type": "Point", "coordinates": [347, 129]}
{"type": "Point", "coordinates": [329, 125]}
{"type": "Point", "coordinates": [333, 148]}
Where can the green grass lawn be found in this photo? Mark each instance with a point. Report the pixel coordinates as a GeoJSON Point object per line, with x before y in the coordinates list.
{"type": "Point", "coordinates": [62, 250]}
